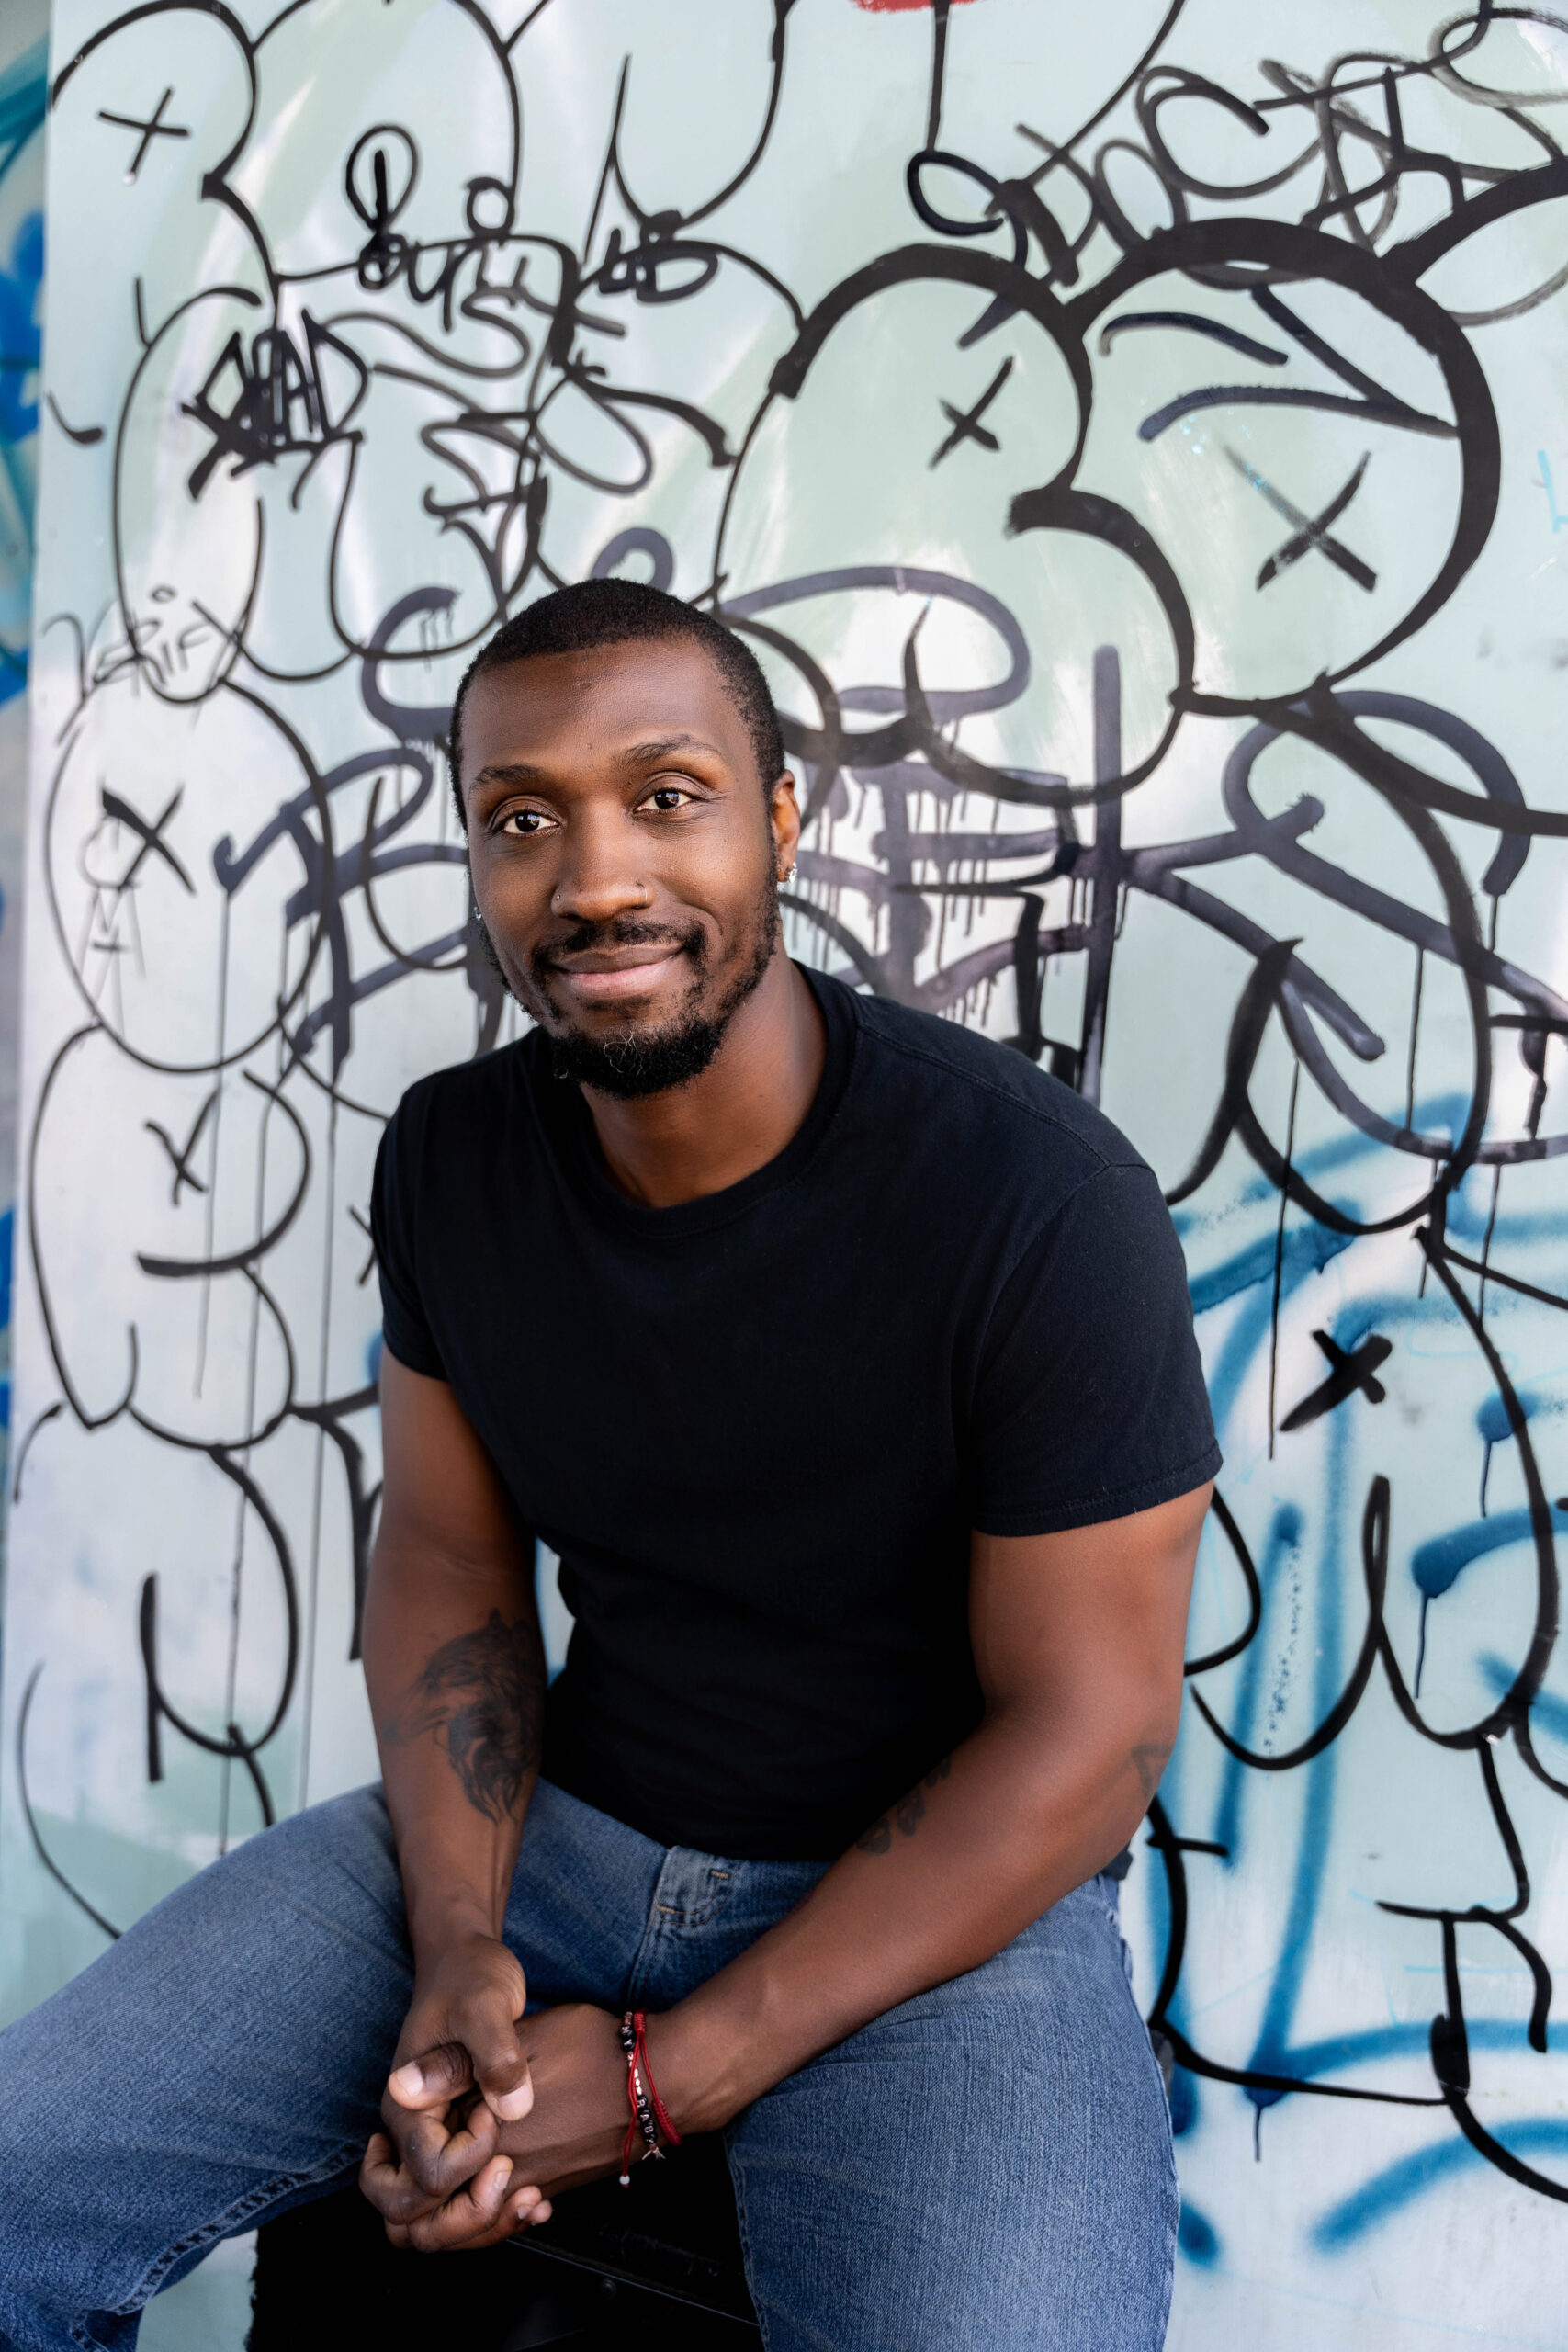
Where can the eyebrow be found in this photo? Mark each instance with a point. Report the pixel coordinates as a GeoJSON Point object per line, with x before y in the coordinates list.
{"type": "Point", "coordinates": [517, 771]}
{"type": "Point", "coordinates": [656, 749]}
{"type": "Point", "coordinates": [520, 772]}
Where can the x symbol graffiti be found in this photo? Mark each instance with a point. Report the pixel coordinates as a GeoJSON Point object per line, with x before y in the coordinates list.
{"type": "Point", "coordinates": [1348, 1374]}
{"type": "Point", "coordinates": [1309, 530]}
{"type": "Point", "coordinates": [966, 423]}
{"type": "Point", "coordinates": [155, 126]}
{"type": "Point", "coordinates": [150, 836]}
{"type": "Point", "coordinates": [179, 1154]}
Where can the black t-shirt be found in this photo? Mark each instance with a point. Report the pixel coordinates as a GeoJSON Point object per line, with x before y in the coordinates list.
{"type": "Point", "coordinates": [758, 1427]}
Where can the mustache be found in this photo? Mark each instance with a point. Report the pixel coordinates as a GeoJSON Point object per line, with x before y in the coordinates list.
{"type": "Point", "coordinates": [622, 931]}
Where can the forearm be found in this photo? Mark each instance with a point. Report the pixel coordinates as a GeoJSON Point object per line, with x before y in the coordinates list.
{"type": "Point", "coordinates": [1017, 1817]}
{"type": "Point", "coordinates": [455, 1669]}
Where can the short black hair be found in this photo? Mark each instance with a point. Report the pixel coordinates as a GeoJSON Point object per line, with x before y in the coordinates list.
{"type": "Point", "coordinates": [618, 612]}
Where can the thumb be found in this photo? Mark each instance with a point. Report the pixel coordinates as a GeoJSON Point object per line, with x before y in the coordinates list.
{"type": "Point", "coordinates": [509, 2105]}
{"type": "Point", "coordinates": [432, 2079]}
{"type": "Point", "coordinates": [501, 2068]}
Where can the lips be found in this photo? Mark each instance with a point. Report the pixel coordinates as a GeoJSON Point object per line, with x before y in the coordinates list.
{"type": "Point", "coordinates": [615, 974]}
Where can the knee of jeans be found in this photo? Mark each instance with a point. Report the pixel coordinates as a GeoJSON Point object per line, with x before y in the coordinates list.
{"type": "Point", "coordinates": [351, 1832]}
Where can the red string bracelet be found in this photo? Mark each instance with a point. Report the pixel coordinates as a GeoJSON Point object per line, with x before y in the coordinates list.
{"type": "Point", "coordinates": [649, 2116]}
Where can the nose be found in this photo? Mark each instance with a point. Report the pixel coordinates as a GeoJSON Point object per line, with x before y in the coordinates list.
{"type": "Point", "coordinates": [597, 878]}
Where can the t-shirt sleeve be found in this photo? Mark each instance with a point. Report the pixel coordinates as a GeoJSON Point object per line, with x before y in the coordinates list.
{"type": "Point", "coordinates": [393, 1197]}
{"type": "Point", "coordinates": [1089, 1401]}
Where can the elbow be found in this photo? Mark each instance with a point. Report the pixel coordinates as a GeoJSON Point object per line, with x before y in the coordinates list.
{"type": "Point", "coordinates": [1099, 1761]}
{"type": "Point", "coordinates": [1143, 1750]}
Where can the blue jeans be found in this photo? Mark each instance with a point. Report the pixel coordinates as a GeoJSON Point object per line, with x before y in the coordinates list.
{"type": "Point", "coordinates": [986, 2165]}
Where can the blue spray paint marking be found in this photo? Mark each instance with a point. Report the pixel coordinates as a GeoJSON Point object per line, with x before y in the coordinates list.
{"type": "Point", "coordinates": [1442, 1112]}
{"type": "Point", "coordinates": [21, 340]}
{"type": "Point", "coordinates": [1388, 2192]}
{"type": "Point", "coordinates": [1197, 2236]}
{"type": "Point", "coordinates": [1492, 1414]}
{"type": "Point", "coordinates": [1495, 1428]}
{"type": "Point", "coordinates": [24, 93]}
{"type": "Point", "coordinates": [1546, 1713]}
{"type": "Point", "coordinates": [1307, 1250]}
{"type": "Point", "coordinates": [1183, 2086]}
{"type": "Point", "coordinates": [1252, 1268]}
{"type": "Point", "coordinates": [1271, 2053]}
{"type": "Point", "coordinates": [1284, 1542]}
{"type": "Point", "coordinates": [20, 349]}
{"type": "Point", "coordinates": [1437, 1564]}
{"type": "Point", "coordinates": [1336, 2053]}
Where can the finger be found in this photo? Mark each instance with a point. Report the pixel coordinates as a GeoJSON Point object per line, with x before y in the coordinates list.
{"type": "Point", "coordinates": [519, 2207]}
{"type": "Point", "coordinates": [442, 2158]}
{"type": "Point", "coordinates": [527, 2207]}
{"type": "Point", "coordinates": [472, 2218]}
{"type": "Point", "coordinates": [395, 2195]}
{"type": "Point", "coordinates": [516, 2216]}
{"type": "Point", "coordinates": [433, 2078]}
{"type": "Point", "coordinates": [491, 2029]}
{"type": "Point", "coordinates": [510, 2106]}
{"type": "Point", "coordinates": [378, 2170]}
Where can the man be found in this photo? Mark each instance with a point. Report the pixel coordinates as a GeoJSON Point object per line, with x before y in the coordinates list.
{"type": "Point", "coordinates": [846, 1360]}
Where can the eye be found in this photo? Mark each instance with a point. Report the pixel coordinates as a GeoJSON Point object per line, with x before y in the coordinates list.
{"type": "Point", "coordinates": [669, 795]}
{"type": "Point", "coordinates": [526, 822]}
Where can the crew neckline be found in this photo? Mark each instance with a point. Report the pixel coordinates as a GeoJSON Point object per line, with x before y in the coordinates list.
{"type": "Point", "coordinates": [839, 1019]}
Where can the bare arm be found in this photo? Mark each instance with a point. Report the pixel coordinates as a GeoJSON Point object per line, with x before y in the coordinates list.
{"type": "Point", "coordinates": [455, 1669]}
{"type": "Point", "coordinates": [1078, 1641]}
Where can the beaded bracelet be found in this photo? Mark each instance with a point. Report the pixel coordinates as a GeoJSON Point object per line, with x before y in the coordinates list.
{"type": "Point", "coordinates": [649, 2116]}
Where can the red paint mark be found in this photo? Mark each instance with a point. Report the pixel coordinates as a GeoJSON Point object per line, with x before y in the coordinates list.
{"type": "Point", "coordinates": [886, 7]}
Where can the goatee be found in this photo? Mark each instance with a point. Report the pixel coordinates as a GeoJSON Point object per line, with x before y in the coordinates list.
{"type": "Point", "coordinates": [647, 1060]}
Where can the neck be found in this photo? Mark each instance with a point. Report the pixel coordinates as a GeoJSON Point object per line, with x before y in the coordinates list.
{"type": "Point", "coordinates": [661, 1149]}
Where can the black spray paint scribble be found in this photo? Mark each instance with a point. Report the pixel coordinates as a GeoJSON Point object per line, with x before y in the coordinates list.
{"type": "Point", "coordinates": [503, 333]}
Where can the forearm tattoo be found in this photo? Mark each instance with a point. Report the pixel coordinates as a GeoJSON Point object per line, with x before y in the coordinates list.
{"type": "Point", "coordinates": [1149, 1759]}
{"type": "Point", "coordinates": [483, 1694]}
{"type": "Point", "coordinates": [908, 1813]}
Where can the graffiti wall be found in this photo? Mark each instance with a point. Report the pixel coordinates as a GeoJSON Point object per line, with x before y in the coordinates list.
{"type": "Point", "coordinates": [24, 87]}
{"type": "Point", "coordinates": [1134, 441]}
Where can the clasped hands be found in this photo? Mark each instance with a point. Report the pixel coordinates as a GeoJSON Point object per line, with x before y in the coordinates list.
{"type": "Point", "coordinates": [488, 2113]}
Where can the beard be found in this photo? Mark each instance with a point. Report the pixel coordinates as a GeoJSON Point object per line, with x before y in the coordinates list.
{"type": "Point", "coordinates": [644, 1058]}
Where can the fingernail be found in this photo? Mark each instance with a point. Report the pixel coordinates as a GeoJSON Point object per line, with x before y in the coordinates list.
{"type": "Point", "coordinates": [511, 2105]}
{"type": "Point", "coordinates": [407, 2082]}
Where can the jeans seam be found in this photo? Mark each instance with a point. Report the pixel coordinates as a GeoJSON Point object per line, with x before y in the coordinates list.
{"type": "Point", "coordinates": [739, 2194]}
{"type": "Point", "coordinates": [227, 2223]}
{"type": "Point", "coordinates": [1173, 2178]}
{"type": "Point", "coordinates": [642, 1960]}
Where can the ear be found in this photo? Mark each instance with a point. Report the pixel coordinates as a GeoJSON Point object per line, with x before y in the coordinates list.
{"type": "Point", "coordinates": [784, 817]}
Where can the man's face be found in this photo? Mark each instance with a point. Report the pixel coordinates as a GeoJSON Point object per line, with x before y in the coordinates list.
{"type": "Point", "coordinates": [624, 853]}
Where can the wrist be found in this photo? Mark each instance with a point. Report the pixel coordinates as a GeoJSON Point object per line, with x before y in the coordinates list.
{"type": "Point", "coordinates": [456, 1877]}
{"type": "Point", "coordinates": [442, 1924]}
{"type": "Point", "coordinates": [707, 2060]}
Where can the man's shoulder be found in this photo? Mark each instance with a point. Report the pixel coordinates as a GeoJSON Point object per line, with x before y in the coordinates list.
{"type": "Point", "coordinates": [989, 1094]}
